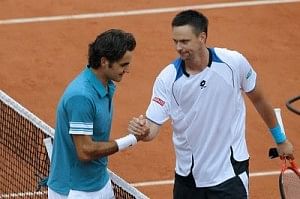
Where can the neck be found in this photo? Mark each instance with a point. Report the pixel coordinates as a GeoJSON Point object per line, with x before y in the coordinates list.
{"type": "Point", "coordinates": [100, 76]}
{"type": "Point", "coordinates": [197, 64]}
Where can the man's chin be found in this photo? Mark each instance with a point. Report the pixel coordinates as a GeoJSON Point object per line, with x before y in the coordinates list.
{"type": "Point", "coordinates": [118, 79]}
{"type": "Point", "coordinates": [183, 57]}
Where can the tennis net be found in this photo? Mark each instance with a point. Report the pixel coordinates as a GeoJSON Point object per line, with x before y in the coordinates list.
{"type": "Point", "coordinates": [24, 162]}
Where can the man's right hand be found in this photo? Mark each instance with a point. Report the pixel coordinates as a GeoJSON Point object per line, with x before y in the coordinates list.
{"type": "Point", "coordinates": [137, 127]}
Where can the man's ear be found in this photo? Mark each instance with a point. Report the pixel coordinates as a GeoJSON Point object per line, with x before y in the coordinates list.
{"type": "Point", "coordinates": [104, 62]}
{"type": "Point", "coordinates": [202, 37]}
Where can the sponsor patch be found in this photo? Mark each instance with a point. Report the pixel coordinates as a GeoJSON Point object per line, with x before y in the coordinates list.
{"type": "Point", "coordinates": [203, 84]}
{"type": "Point", "coordinates": [249, 73]}
{"type": "Point", "coordinates": [159, 101]}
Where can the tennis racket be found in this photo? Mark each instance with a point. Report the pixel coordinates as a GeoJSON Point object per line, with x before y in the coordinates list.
{"type": "Point", "coordinates": [291, 107]}
{"type": "Point", "coordinates": [289, 180]}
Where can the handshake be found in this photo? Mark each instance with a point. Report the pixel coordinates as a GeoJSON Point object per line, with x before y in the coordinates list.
{"type": "Point", "coordinates": [137, 130]}
{"type": "Point", "coordinates": [138, 127]}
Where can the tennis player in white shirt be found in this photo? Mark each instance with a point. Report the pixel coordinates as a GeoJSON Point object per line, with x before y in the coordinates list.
{"type": "Point", "coordinates": [202, 93]}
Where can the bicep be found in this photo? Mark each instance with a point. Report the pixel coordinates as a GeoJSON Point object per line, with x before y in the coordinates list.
{"type": "Point", "coordinates": [80, 114]}
{"type": "Point", "coordinates": [254, 95]}
{"type": "Point", "coordinates": [81, 143]}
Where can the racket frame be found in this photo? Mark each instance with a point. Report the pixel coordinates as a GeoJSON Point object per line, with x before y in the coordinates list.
{"type": "Point", "coordinates": [292, 168]}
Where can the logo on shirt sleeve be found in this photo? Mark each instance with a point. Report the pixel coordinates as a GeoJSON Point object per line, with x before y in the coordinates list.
{"type": "Point", "coordinates": [159, 101]}
{"type": "Point", "coordinates": [249, 74]}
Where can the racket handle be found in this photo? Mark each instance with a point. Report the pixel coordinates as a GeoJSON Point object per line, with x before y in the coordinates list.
{"type": "Point", "coordinates": [273, 153]}
{"type": "Point", "coordinates": [293, 163]}
{"type": "Point", "coordinates": [295, 167]}
{"type": "Point", "coordinates": [279, 118]}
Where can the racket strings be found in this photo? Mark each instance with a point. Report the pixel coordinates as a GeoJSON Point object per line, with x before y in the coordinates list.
{"type": "Point", "coordinates": [291, 184]}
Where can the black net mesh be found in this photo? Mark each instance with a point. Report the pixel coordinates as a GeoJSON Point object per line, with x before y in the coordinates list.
{"type": "Point", "coordinates": [24, 162]}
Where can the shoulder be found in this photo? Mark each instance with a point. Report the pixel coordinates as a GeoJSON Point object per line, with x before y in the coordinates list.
{"type": "Point", "coordinates": [78, 90]}
{"type": "Point", "coordinates": [227, 55]}
{"type": "Point", "coordinates": [231, 58]}
{"type": "Point", "coordinates": [170, 72]}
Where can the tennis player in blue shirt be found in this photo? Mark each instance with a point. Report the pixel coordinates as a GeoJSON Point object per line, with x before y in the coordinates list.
{"type": "Point", "coordinates": [83, 122]}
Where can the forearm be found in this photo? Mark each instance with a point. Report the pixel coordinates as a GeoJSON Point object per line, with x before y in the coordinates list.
{"type": "Point", "coordinates": [266, 112]}
{"type": "Point", "coordinates": [262, 106]}
{"type": "Point", "coordinates": [95, 150]}
{"type": "Point", "coordinates": [88, 149]}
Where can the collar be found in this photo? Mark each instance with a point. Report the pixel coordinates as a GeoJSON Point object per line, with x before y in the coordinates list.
{"type": "Point", "coordinates": [98, 85]}
{"type": "Point", "coordinates": [210, 57]}
{"type": "Point", "coordinates": [210, 54]}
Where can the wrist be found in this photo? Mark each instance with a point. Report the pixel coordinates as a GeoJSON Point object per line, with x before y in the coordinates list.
{"type": "Point", "coordinates": [277, 134]}
{"type": "Point", "coordinates": [126, 141]}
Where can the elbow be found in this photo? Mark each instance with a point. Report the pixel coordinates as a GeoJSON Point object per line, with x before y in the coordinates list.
{"type": "Point", "coordinates": [83, 154]}
{"type": "Point", "coordinates": [83, 158]}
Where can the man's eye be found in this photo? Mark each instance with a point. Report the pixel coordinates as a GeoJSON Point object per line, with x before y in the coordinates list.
{"type": "Point", "coordinates": [185, 41]}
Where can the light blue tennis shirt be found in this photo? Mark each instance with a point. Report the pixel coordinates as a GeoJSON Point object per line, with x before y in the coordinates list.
{"type": "Point", "coordinates": [84, 109]}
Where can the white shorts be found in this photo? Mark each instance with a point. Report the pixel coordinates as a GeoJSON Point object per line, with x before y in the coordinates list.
{"type": "Point", "coordinates": [105, 193]}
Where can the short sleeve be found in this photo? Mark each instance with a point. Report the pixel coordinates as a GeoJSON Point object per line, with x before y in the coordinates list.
{"type": "Point", "coordinates": [159, 105]}
{"type": "Point", "coordinates": [247, 75]}
{"type": "Point", "coordinates": [80, 112]}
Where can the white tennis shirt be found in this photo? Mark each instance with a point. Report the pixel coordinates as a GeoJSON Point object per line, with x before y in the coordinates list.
{"type": "Point", "coordinates": [207, 112]}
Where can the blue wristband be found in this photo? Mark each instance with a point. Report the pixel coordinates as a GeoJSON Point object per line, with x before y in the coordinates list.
{"type": "Point", "coordinates": [277, 134]}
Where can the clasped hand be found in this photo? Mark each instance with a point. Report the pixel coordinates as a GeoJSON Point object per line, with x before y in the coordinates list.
{"type": "Point", "coordinates": [286, 150]}
{"type": "Point", "coordinates": [138, 127]}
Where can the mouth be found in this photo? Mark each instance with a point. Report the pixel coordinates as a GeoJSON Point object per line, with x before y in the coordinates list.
{"type": "Point", "coordinates": [118, 78]}
{"type": "Point", "coordinates": [183, 54]}
{"type": "Point", "coordinates": [121, 76]}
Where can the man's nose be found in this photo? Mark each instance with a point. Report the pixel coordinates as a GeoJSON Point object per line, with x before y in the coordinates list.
{"type": "Point", "coordinates": [126, 69]}
{"type": "Point", "coordinates": [178, 46]}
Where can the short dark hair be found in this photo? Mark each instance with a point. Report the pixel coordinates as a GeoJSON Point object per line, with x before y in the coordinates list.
{"type": "Point", "coordinates": [111, 44]}
{"type": "Point", "coordinates": [193, 18]}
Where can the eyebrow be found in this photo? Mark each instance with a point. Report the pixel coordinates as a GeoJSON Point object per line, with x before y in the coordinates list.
{"type": "Point", "coordinates": [181, 40]}
{"type": "Point", "coordinates": [124, 64]}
